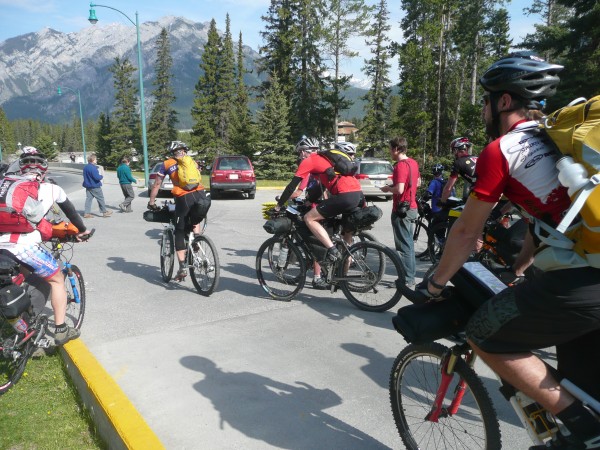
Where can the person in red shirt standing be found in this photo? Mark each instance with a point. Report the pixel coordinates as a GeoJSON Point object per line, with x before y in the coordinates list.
{"type": "Point", "coordinates": [405, 181]}
{"type": "Point", "coordinates": [345, 190]}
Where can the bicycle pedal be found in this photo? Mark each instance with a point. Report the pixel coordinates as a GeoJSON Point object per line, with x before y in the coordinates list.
{"type": "Point", "coordinates": [43, 343]}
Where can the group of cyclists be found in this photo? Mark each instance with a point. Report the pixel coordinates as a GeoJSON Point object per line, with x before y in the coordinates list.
{"type": "Point", "coordinates": [556, 308]}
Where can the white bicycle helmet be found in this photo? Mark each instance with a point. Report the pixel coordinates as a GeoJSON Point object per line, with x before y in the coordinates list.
{"type": "Point", "coordinates": [32, 161]}
{"type": "Point", "coordinates": [306, 144]}
{"type": "Point", "coordinates": [177, 145]}
{"type": "Point", "coordinates": [347, 147]}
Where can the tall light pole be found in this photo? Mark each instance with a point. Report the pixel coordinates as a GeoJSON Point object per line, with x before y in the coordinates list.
{"type": "Point", "coordinates": [93, 20]}
{"type": "Point", "coordinates": [59, 91]}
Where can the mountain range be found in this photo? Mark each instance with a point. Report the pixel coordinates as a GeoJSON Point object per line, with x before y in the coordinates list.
{"type": "Point", "coordinates": [34, 65]}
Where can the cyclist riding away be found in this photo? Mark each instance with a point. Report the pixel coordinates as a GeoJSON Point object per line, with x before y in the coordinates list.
{"type": "Point", "coordinates": [191, 206]}
{"type": "Point", "coordinates": [24, 242]}
{"type": "Point", "coordinates": [346, 194]}
{"type": "Point", "coordinates": [464, 165]}
{"type": "Point", "coordinates": [562, 304]}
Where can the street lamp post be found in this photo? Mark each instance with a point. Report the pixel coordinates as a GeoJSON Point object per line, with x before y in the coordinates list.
{"type": "Point", "coordinates": [59, 91]}
{"type": "Point", "coordinates": [93, 20]}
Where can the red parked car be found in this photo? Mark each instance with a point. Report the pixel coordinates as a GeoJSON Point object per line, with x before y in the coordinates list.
{"type": "Point", "coordinates": [232, 173]}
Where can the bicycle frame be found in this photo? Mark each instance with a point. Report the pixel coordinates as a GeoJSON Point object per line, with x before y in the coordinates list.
{"type": "Point", "coordinates": [57, 248]}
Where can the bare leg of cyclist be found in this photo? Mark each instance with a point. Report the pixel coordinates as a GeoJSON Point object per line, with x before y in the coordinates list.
{"type": "Point", "coordinates": [312, 222]}
{"type": "Point", "coordinates": [58, 297]}
{"type": "Point", "coordinates": [530, 375]}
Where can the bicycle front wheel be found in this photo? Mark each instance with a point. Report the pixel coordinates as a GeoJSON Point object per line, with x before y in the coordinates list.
{"type": "Point", "coordinates": [281, 276]}
{"type": "Point", "coordinates": [167, 255]}
{"type": "Point", "coordinates": [370, 275]}
{"type": "Point", "coordinates": [204, 265]}
{"type": "Point", "coordinates": [414, 381]}
{"type": "Point", "coordinates": [75, 298]}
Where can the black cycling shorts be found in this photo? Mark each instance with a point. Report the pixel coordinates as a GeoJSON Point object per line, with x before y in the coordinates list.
{"type": "Point", "coordinates": [341, 203]}
{"type": "Point", "coordinates": [553, 308]}
{"type": "Point", "coordinates": [190, 209]}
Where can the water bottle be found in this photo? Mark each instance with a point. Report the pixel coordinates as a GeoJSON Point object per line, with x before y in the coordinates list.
{"type": "Point", "coordinates": [537, 416]}
{"type": "Point", "coordinates": [283, 254]}
{"type": "Point", "coordinates": [19, 324]}
{"type": "Point", "coordinates": [571, 175]}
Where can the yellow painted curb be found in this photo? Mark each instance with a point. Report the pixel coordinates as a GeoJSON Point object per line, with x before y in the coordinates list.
{"type": "Point", "coordinates": [127, 423]}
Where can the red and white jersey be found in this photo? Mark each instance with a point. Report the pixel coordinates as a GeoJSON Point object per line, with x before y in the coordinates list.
{"type": "Point", "coordinates": [522, 166]}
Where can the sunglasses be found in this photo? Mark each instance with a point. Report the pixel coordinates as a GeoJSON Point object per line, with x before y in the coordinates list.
{"type": "Point", "coordinates": [485, 99]}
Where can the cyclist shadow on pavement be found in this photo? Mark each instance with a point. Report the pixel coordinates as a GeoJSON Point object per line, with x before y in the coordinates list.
{"type": "Point", "coordinates": [279, 414]}
{"type": "Point", "coordinates": [248, 289]}
{"type": "Point", "coordinates": [148, 273]}
{"type": "Point", "coordinates": [241, 253]}
{"type": "Point", "coordinates": [378, 365]}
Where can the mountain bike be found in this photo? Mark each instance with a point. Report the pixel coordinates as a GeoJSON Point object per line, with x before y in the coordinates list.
{"type": "Point", "coordinates": [368, 272]}
{"type": "Point", "coordinates": [422, 223]}
{"type": "Point", "coordinates": [438, 400]}
{"type": "Point", "coordinates": [23, 324]}
{"type": "Point", "coordinates": [201, 253]}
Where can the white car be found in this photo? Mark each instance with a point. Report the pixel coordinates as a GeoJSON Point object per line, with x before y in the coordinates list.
{"type": "Point", "coordinates": [373, 173]}
{"type": "Point", "coordinates": [165, 187]}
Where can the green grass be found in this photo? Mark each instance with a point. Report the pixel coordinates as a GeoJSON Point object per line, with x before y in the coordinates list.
{"type": "Point", "coordinates": [43, 411]}
{"type": "Point", "coordinates": [272, 183]}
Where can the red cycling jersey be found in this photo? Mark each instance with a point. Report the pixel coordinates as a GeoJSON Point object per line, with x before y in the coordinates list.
{"type": "Point", "coordinates": [316, 165]}
{"type": "Point", "coordinates": [401, 175]}
{"type": "Point", "coordinates": [522, 166]}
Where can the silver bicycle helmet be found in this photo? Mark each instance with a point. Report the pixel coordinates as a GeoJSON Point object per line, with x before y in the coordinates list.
{"type": "Point", "coordinates": [437, 170]}
{"type": "Point", "coordinates": [177, 145]}
{"type": "Point", "coordinates": [32, 161]}
{"type": "Point", "coordinates": [461, 144]}
{"type": "Point", "coordinates": [347, 147]}
{"type": "Point", "coordinates": [306, 144]}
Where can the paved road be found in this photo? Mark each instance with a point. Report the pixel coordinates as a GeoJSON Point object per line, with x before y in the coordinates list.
{"type": "Point", "coordinates": [237, 369]}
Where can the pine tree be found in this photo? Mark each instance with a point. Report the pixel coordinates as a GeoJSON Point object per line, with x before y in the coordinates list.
{"type": "Point", "coordinates": [161, 128]}
{"type": "Point", "coordinates": [377, 70]}
{"type": "Point", "coordinates": [103, 139]}
{"type": "Point", "coordinates": [45, 144]}
{"type": "Point", "coordinates": [277, 159]}
{"type": "Point", "coordinates": [204, 112]}
{"type": "Point", "coordinates": [347, 19]}
{"type": "Point", "coordinates": [7, 137]}
{"type": "Point", "coordinates": [225, 86]}
{"type": "Point", "coordinates": [125, 121]}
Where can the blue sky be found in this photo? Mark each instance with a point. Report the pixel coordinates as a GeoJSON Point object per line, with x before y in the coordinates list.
{"type": "Point", "coordinates": [24, 16]}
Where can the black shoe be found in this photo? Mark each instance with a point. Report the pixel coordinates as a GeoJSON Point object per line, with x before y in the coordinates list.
{"type": "Point", "coordinates": [561, 442]}
{"type": "Point", "coordinates": [425, 257]}
{"type": "Point", "coordinates": [332, 255]}
{"type": "Point", "coordinates": [181, 274]}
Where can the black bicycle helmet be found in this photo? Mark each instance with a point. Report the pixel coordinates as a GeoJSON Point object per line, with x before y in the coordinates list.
{"type": "Point", "coordinates": [437, 170]}
{"type": "Point", "coordinates": [523, 74]}
{"type": "Point", "coordinates": [177, 145]}
{"type": "Point", "coordinates": [306, 144]}
{"type": "Point", "coordinates": [347, 147]}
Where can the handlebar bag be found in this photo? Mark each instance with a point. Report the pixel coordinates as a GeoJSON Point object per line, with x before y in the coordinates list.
{"type": "Point", "coordinates": [161, 215]}
{"type": "Point", "coordinates": [278, 226]}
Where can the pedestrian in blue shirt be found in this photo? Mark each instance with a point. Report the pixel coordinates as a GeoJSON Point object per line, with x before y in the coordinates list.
{"type": "Point", "coordinates": [92, 182]}
{"type": "Point", "coordinates": [125, 180]}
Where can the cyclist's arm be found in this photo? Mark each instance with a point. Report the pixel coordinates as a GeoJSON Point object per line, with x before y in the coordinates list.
{"type": "Point", "coordinates": [69, 209]}
{"type": "Point", "coordinates": [461, 240]}
{"type": "Point", "coordinates": [448, 189]}
{"type": "Point", "coordinates": [289, 190]}
{"type": "Point", "coordinates": [525, 257]}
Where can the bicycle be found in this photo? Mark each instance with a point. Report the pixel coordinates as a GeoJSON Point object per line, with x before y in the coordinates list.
{"type": "Point", "coordinates": [422, 223]}
{"type": "Point", "coordinates": [437, 398]}
{"type": "Point", "coordinates": [201, 253]}
{"type": "Point", "coordinates": [368, 272]}
{"type": "Point", "coordinates": [22, 328]}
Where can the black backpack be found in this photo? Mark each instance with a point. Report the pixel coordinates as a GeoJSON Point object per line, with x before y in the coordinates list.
{"type": "Point", "coordinates": [342, 164]}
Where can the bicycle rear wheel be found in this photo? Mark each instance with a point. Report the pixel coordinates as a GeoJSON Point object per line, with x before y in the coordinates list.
{"type": "Point", "coordinates": [436, 240]}
{"type": "Point", "coordinates": [204, 265]}
{"type": "Point", "coordinates": [167, 255]}
{"type": "Point", "coordinates": [370, 275]}
{"type": "Point", "coordinates": [284, 279]}
{"type": "Point", "coordinates": [13, 358]}
{"type": "Point", "coordinates": [414, 381]}
{"type": "Point", "coordinates": [75, 298]}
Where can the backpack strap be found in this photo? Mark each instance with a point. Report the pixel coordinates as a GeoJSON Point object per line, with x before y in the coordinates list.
{"type": "Point", "coordinates": [578, 203]}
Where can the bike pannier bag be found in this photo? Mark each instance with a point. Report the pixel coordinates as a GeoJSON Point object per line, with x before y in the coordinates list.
{"type": "Point", "coordinates": [13, 301]}
{"type": "Point", "coordinates": [363, 218]}
{"type": "Point", "coordinates": [278, 226]}
{"type": "Point", "coordinates": [188, 173]}
{"type": "Point", "coordinates": [161, 216]}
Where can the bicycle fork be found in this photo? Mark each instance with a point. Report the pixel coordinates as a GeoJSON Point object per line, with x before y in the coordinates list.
{"type": "Point", "coordinates": [447, 371]}
{"type": "Point", "coordinates": [73, 280]}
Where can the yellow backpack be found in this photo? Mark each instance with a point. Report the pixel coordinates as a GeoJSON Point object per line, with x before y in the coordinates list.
{"type": "Point", "coordinates": [575, 129]}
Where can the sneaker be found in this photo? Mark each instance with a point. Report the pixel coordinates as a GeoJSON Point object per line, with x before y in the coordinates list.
{"type": "Point", "coordinates": [69, 334]}
{"type": "Point", "coordinates": [425, 257]}
{"type": "Point", "coordinates": [87, 216]}
{"type": "Point", "coordinates": [181, 274]}
{"type": "Point", "coordinates": [107, 213]}
{"type": "Point", "coordinates": [319, 283]}
{"type": "Point", "coordinates": [122, 207]}
{"type": "Point", "coordinates": [562, 442]}
{"type": "Point", "coordinates": [128, 209]}
{"type": "Point", "coordinates": [332, 255]}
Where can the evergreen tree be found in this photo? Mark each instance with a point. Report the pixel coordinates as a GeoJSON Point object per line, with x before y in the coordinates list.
{"type": "Point", "coordinates": [277, 158]}
{"type": "Point", "coordinates": [347, 19]}
{"type": "Point", "coordinates": [45, 144]}
{"type": "Point", "coordinates": [377, 70]}
{"type": "Point", "coordinates": [161, 129]}
{"type": "Point", "coordinates": [204, 111]}
{"type": "Point", "coordinates": [226, 86]}
{"type": "Point", "coordinates": [103, 139]}
{"type": "Point", "coordinates": [7, 139]}
{"type": "Point", "coordinates": [242, 133]}
{"type": "Point", "coordinates": [125, 121]}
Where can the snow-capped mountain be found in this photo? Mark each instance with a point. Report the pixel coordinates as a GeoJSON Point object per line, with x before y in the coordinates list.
{"type": "Point", "coordinates": [33, 65]}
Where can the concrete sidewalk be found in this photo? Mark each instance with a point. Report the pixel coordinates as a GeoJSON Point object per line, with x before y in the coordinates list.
{"type": "Point", "coordinates": [236, 369]}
